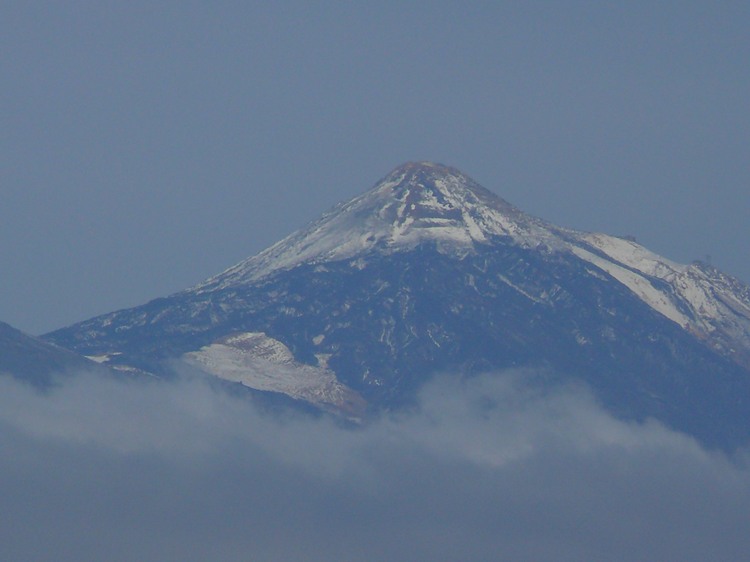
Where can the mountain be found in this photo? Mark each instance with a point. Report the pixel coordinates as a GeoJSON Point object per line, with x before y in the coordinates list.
{"type": "Point", "coordinates": [35, 361]}
{"type": "Point", "coordinates": [429, 272]}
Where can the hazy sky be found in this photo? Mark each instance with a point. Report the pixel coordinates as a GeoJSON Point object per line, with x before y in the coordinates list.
{"type": "Point", "coordinates": [146, 146]}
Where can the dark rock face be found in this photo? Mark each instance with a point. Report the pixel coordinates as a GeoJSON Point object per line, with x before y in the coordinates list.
{"type": "Point", "coordinates": [430, 273]}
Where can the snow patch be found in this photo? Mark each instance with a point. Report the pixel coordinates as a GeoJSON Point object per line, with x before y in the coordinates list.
{"type": "Point", "coordinates": [638, 284]}
{"type": "Point", "coordinates": [104, 358]}
{"type": "Point", "coordinates": [260, 362]}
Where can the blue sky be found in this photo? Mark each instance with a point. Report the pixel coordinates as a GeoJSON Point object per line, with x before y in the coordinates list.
{"type": "Point", "coordinates": [148, 146]}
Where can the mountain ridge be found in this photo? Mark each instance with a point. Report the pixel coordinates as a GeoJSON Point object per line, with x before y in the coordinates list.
{"type": "Point", "coordinates": [35, 361]}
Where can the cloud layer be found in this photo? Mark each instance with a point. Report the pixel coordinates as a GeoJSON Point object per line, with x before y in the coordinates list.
{"type": "Point", "coordinates": [493, 468]}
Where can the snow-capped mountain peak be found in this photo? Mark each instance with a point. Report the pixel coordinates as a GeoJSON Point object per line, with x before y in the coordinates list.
{"type": "Point", "coordinates": [429, 272]}
{"type": "Point", "coordinates": [416, 202]}
{"type": "Point", "coordinates": [424, 202]}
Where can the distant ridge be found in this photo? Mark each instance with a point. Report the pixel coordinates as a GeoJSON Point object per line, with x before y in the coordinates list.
{"type": "Point", "coordinates": [36, 361]}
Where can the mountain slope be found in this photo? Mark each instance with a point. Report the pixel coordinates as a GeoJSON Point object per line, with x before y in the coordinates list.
{"type": "Point", "coordinates": [430, 272]}
{"type": "Point", "coordinates": [35, 361]}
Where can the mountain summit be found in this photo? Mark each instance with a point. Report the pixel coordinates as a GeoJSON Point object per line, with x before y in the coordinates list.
{"type": "Point", "coordinates": [428, 272]}
{"type": "Point", "coordinates": [416, 203]}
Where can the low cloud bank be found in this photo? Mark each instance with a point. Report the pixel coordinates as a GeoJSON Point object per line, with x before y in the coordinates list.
{"type": "Point", "coordinates": [487, 469]}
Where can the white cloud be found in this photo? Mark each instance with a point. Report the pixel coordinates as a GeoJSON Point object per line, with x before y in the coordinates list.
{"type": "Point", "coordinates": [486, 469]}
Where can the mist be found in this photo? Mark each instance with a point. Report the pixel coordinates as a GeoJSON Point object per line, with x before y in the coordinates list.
{"type": "Point", "coordinates": [489, 468]}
